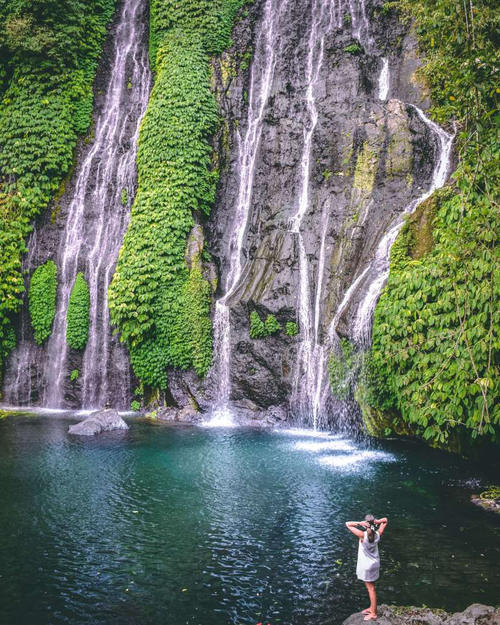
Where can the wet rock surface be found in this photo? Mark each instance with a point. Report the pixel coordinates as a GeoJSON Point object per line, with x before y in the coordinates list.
{"type": "Point", "coordinates": [97, 422]}
{"type": "Point", "coordinates": [475, 614]}
{"type": "Point", "coordinates": [369, 159]}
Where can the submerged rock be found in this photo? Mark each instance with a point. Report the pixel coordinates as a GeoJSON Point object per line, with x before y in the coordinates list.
{"type": "Point", "coordinates": [488, 500]}
{"type": "Point", "coordinates": [475, 614]}
{"type": "Point", "coordinates": [97, 422]}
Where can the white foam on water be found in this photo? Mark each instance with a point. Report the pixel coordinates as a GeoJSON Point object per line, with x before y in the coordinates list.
{"type": "Point", "coordinates": [220, 418]}
{"type": "Point", "coordinates": [357, 460]}
{"type": "Point", "coordinates": [316, 447]}
{"type": "Point", "coordinates": [307, 433]}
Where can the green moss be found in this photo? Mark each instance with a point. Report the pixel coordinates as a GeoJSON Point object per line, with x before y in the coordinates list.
{"type": "Point", "coordinates": [291, 328]}
{"type": "Point", "coordinates": [135, 406]}
{"type": "Point", "coordinates": [365, 170]}
{"type": "Point", "coordinates": [77, 318]}
{"type": "Point", "coordinates": [354, 48]}
{"type": "Point", "coordinates": [159, 304]}
{"type": "Point", "coordinates": [74, 375]}
{"type": "Point", "coordinates": [399, 158]}
{"type": "Point", "coordinates": [49, 57]}
{"type": "Point", "coordinates": [42, 300]}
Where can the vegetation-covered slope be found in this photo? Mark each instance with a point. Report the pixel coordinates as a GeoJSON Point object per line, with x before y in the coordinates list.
{"type": "Point", "coordinates": [158, 300]}
{"type": "Point", "coordinates": [48, 54]}
{"type": "Point", "coordinates": [436, 339]}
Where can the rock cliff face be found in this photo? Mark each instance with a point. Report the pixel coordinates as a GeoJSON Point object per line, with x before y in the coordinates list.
{"type": "Point", "coordinates": [319, 153]}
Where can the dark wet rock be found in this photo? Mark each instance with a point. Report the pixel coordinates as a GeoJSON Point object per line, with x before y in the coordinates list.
{"type": "Point", "coordinates": [187, 414]}
{"type": "Point", "coordinates": [97, 422]}
{"type": "Point", "coordinates": [369, 160]}
{"type": "Point", "coordinates": [475, 614]}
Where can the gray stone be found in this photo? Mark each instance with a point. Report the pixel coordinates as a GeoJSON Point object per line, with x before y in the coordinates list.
{"type": "Point", "coordinates": [475, 614]}
{"type": "Point", "coordinates": [187, 414]}
{"type": "Point", "coordinates": [97, 422]}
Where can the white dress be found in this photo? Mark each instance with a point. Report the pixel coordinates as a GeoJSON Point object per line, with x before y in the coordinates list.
{"type": "Point", "coordinates": [368, 559]}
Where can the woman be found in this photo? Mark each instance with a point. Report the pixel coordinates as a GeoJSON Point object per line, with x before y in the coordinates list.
{"type": "Point", "coordinates": [368, 566]}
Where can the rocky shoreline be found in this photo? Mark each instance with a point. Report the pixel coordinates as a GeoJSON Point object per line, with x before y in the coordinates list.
{"type": "Point", "coordinates": [475, 614]}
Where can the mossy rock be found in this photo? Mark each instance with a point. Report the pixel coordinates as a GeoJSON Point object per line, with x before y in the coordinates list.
{"type": "Point", "coordinates": [379, 423]}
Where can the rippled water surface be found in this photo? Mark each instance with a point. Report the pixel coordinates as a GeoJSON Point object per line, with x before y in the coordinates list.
{"type": "Point", "coordinates": [210, 526]}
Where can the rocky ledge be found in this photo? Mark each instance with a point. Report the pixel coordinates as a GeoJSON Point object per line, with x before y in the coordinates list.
{"type": "Point", "coordinates": [475, 614]}
{"type": "Point", "coordinates": [488, 500]}
{"type": "Point", "coordinates": [97, 422]}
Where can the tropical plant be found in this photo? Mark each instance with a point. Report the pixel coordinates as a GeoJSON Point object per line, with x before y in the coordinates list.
{"type": "Point", "coordinates": [77, 318]}
{"type": "Point", "coordinates": [42, 300]}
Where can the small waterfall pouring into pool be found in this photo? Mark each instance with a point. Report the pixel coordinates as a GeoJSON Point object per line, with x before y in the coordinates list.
{"type": "Point", "coordinates": [311, 354]}
{"type": "Point", "coordinates": [373, 277]}
{"type": "Point", "coordinates": [261, 81]}
{"type": "Point", "coordinates": [94, 224]}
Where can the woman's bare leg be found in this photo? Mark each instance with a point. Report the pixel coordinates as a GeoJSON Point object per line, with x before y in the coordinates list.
{"type": "Point", "coordinates": [370, 587]}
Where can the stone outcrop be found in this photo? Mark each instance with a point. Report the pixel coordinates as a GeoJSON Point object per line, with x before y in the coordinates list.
{"type": "Point", "coordinates": [97, 422]}
{"type": "Point", "coordinates": [475, 614]}
{"type": "Point", "coordinates": [370, 158]}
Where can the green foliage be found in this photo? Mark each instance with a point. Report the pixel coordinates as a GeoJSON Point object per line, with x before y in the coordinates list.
{"type": "Point", "coordinates": [354, 48]}
{"type": "Point", "coordinates": [73, 376]}
{"type": "Point", "coordinates": [135, 405]}
{"type": "Point", "coordinates": [343, 366]}
{"type": "Point", "coordinates": [77, 319]}
{"type": "Point", "coordinates": [436, 329]}
{"type": "Point", "coordinates": [160, 306]}
{"type": "Point", "coordinates": [257, 326]}
{"type": "Point", "coordinates": [271, 324]}
{"type": "Point", "coordinates": [291, 328]}
{"type": "Point", "coordinates": [260, 329]}
{"type": "Point", "coordinates": [124, 197]}
{"type": "Point", "coordinates": [49, 53]}
{"type": "Point", "coordinates": [42, 300]}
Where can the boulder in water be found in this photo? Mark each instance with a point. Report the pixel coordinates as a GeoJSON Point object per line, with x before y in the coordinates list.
{"type": "Point", "coordinates": [97, 422]}
{"type": "Point", "coordinates": [475, 614]}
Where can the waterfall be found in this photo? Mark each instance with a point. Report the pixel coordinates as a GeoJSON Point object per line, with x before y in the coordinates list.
{"type": "Point", "coordinates": [94, 226]}
{"type": "Point", "coordinates": [310, 354]}
{"type": "Point", "coordinates": [261, 80]}
{"type": "Point", "coordinates": [379, 267]}
{"type": "Point", "coordinates": [383, 81]}
{"type": "Point", "coordinates": [374, 276]}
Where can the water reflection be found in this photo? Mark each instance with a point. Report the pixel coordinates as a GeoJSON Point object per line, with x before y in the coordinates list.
{"type": "Point", "coordinates": [204, 526]}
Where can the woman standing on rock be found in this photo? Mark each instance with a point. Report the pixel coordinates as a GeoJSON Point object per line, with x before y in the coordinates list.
{"type": "Point", "coordinates": [368, 566]}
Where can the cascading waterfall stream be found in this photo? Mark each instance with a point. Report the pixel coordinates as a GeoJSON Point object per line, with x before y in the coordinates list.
{"type": "Point", "coordinates": [375, 274]}
{"type": "Point", "coordinates": [379, 267]}
{"type": "Point", "coordinates": [95, 224]}
{"type": "Point", "coordinates": [310, 355]}
{"type": "Point", "coordinates": [261, 80]}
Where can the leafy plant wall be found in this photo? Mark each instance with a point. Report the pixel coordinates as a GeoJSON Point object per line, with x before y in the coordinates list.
{"type": "Point", "coordinates": [50, 52]}
{"type": "Point", "coordinates": [159, 300]}
{"type": "Point", "coordinates": [434, 360]}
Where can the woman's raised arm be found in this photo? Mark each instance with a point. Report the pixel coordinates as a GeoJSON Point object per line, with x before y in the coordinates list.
{"type": "Point", "coordinates": [352, 526]}
{"type": "Point", "coordinates": [382, 525]}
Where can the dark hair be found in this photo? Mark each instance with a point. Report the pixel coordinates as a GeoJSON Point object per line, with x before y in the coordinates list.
{"type": "Point", "coordinates": [369, 518]}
